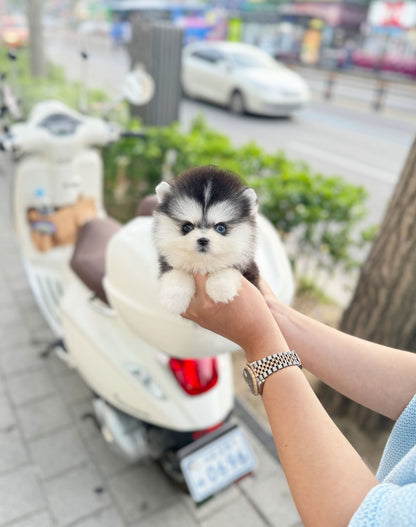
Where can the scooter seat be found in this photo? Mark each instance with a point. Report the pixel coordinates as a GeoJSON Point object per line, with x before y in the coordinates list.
{"type": "Point", "coordinates": [147, 205]}
{"type": "Point", "coordinates": [88, 258]}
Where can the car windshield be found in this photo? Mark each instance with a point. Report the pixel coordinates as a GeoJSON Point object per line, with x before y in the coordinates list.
{"type": "Point", "coordinates": [243, 59]}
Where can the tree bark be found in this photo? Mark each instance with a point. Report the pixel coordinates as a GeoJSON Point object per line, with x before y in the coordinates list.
{"type": "Point", "coordinates": [382, 308]}
{"type": "Point", "coordinates": [383, 305]}
{"type": "Point", "coordinates": [34, 10]}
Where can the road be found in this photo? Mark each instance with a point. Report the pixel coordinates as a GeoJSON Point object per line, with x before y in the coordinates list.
{"type": "Point", "coordinates": [343, 136]}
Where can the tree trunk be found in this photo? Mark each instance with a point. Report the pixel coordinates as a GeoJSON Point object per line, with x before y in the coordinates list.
{"type": "Point", "coordinates": [34, 10]}
{"type": "Point", "coordinates": [383, 305]}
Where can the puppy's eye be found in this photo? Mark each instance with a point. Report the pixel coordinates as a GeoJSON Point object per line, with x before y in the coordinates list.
{"type": "Point", "coordinates": [221, 228]}
{"type": "Point", "coordinates": [187, 227]}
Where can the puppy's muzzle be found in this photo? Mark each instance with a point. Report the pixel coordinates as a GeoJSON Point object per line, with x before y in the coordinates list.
{"type": "Point", "coordinates": [202, 244]}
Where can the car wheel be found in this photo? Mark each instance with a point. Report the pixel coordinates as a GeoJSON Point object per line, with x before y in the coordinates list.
{"type": "Point", "coordinates": [237, 104]}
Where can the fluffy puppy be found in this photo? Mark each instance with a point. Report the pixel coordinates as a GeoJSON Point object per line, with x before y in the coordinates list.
{"type": "Point", "coordinates": [205, 222]}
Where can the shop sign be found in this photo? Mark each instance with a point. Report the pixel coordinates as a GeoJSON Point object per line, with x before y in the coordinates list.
{"type": "Point", "coordinates": [393, 14]}
{"type": "Point", "coordinates": [331, 13]}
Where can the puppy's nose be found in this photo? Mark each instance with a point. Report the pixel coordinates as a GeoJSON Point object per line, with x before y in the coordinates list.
{"type": "Point", "coordinates": [203, 242]}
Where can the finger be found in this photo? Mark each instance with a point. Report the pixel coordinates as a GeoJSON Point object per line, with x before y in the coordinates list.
{"type": "Point", "coordinates": [264, 287]}
{"type": "Point", "coordinates": [200, 281]}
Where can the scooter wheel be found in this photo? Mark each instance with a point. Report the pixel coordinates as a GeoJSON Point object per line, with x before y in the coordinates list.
{"type": "Point", "coordinates": [170, 466]}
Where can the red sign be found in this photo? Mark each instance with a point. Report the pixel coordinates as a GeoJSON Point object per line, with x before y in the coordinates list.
{"type": "Point", "coordinates": [393, 14]}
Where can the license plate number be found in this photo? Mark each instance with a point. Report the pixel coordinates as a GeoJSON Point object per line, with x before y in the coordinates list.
{"type": "Point", "coordinates": [217, 464]}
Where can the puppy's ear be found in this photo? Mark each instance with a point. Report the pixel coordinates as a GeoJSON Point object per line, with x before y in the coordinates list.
{"type": "Point", "coordinates": [162, 190]}
{"type": "Point", "coordinates": [250, 194]}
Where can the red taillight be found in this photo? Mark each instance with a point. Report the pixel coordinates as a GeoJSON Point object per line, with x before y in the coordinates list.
{"type": "Point", "coordinates": [200, 433]}
{"type": "Point", "coordinates": [195, 375]}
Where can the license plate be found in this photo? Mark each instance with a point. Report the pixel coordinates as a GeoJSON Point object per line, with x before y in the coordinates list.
{"type": "Point", "coordinates": [216, 464]}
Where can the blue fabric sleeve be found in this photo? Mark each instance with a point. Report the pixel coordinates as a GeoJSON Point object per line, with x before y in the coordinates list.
{"type": "Point", "coordinates": [401, 440]}
{"type": "Point", "coordinates": [387, 505]}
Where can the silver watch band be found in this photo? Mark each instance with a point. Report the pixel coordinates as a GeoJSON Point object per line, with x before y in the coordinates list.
{"type": "Point", "coordinates": [272, 363]}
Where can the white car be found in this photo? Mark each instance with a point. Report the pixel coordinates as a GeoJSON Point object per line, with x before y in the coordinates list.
{"type": "Point", "coordinates": [241, 77]}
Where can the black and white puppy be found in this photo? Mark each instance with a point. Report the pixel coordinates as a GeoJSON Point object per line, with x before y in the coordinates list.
{"type": "Point", "coordinates": [205, 222]}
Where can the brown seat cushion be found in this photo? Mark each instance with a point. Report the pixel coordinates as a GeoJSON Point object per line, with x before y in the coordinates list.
{"type": "Point", "coordinates": [147, 205]}
{"type": "Point", "coordinates": [88, 258]}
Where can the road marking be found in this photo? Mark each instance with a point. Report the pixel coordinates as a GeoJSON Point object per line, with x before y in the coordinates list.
{"type": "Point", "coordinates": [362, 168]}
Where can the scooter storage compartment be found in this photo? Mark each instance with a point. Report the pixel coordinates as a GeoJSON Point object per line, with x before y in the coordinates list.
{"type": "Point", "coordinates": [132, 286]}
{"type": "Point", "coordinates": [61, 226]}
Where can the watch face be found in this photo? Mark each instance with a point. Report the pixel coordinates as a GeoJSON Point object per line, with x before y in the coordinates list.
{"type": "Point", "coordinates": [251, 380]}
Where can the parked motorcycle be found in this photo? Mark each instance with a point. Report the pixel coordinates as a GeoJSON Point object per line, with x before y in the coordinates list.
{"type": "Point", "coordinates": [163, 386]}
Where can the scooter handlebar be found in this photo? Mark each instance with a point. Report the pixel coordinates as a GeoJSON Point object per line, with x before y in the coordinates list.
{"type": "Point", "coordinates": [23, 142]}
{"type": "Point", "coordinates": [29, 138]}
{"type": "Point", "coordinates": [7, 143]}
{"type": "Point", "coordinates": [138, 135]}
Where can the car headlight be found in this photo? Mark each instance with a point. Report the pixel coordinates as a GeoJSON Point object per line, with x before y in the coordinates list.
{"type": "Point", "coordinates": [10, 37]}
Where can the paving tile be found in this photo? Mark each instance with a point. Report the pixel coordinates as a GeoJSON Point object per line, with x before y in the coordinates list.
{"type": "Point", "coordinates": [12, 267]}
{"type": "Point", "coordinates": [58, 452]}
{"type": "Point", "coordinates": [72, 388]}
{"type": "Point", "coordinates": [213, 505]}
{"type": "Point", "coordinates": [140, 491]}
{"type": "Point", "coordinates": [274, 495]}
{"type": "Point", "coordinates": [30, 386]}
{"type": "Point", "coordinates": [20, 285]}
{"type": "Point", "coordinates": [56, 366]}
{"type": "Point", "coordinates": [10, 317]}
{"type": "Point", "coordinates": [20, 359]}
{"type": "Point", "coordinates": [34, 321]}
{"type": "Point", "coordinates": [6, 297]}
{"type": "Point", "coordinates": [239, 512]}
{"type": "Point", "coordinates": [20, 495]}
{"type": "Point", "coordinates": [174, 516]}
{"type": "Point", "coordinates": [8, 241]}
{"type": "Point", "coordinates": [109, 463]}
{"type": "Point", "coordinates": [104, 518]}
{"type": "Point", "coordinates": [8, 418]}
{"type": "Point", "coordinates": [13, 337]}
{"type": "Point", "coordinates": [26, 301]}
{"type": "Point", "coordinates": [76, 495]}
{"type": "Point", "coordinates": [41, 336]}
{"type": "Point", "coordinates": [83, 416]}
{"type": "Point", "coordinates": [43, 417]}
{"type": "Point", "coordinates": [13, 452]}
{"type": "Point", "coordinates": [42, 519]}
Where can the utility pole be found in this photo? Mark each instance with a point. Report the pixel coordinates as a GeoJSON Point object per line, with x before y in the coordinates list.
{"type": "Point", "coordinates": [34, 11]}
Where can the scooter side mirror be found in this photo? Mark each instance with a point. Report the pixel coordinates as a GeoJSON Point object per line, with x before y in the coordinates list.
{"type": "Point", "coordinates": [138, 87]}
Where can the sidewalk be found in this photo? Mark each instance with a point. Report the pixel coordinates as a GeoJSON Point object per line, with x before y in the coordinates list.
{"type": "Point", "coordinates": [55, 467]}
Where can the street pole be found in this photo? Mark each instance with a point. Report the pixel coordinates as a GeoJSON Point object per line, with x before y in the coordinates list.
{"type": "Point", "coordinates": [34, 11]}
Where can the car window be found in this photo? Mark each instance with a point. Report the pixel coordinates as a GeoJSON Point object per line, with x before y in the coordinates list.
{"type": "Point", "coordinates": [208, 55]}
{"type": "Point", "coordinates": [253, 60]}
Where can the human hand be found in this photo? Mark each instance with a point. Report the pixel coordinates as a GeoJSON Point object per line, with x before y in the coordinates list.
{"type": "Point", "coordinates": [270, 298]}
{"type": "Point", "coordinates": [246, 320]}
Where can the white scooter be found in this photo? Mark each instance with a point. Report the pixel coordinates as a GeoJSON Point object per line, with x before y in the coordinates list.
{"type": "Point", "coordinates": [162, 384]}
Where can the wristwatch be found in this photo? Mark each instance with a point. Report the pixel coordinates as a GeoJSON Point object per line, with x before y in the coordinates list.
{"type": "Point", "coordinates": [255, 373]}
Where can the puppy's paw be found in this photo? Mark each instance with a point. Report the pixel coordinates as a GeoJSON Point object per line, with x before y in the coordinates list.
{"type": "Point", "coordinates": [223, 286]}
{"type": "Point", "coordinates": [176, 291]}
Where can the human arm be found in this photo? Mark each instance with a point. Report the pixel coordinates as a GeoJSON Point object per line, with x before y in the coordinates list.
{"type": "Point", "coordinates": [327, 477]}
{"type": "Point", "coordinates": [376, 376]}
